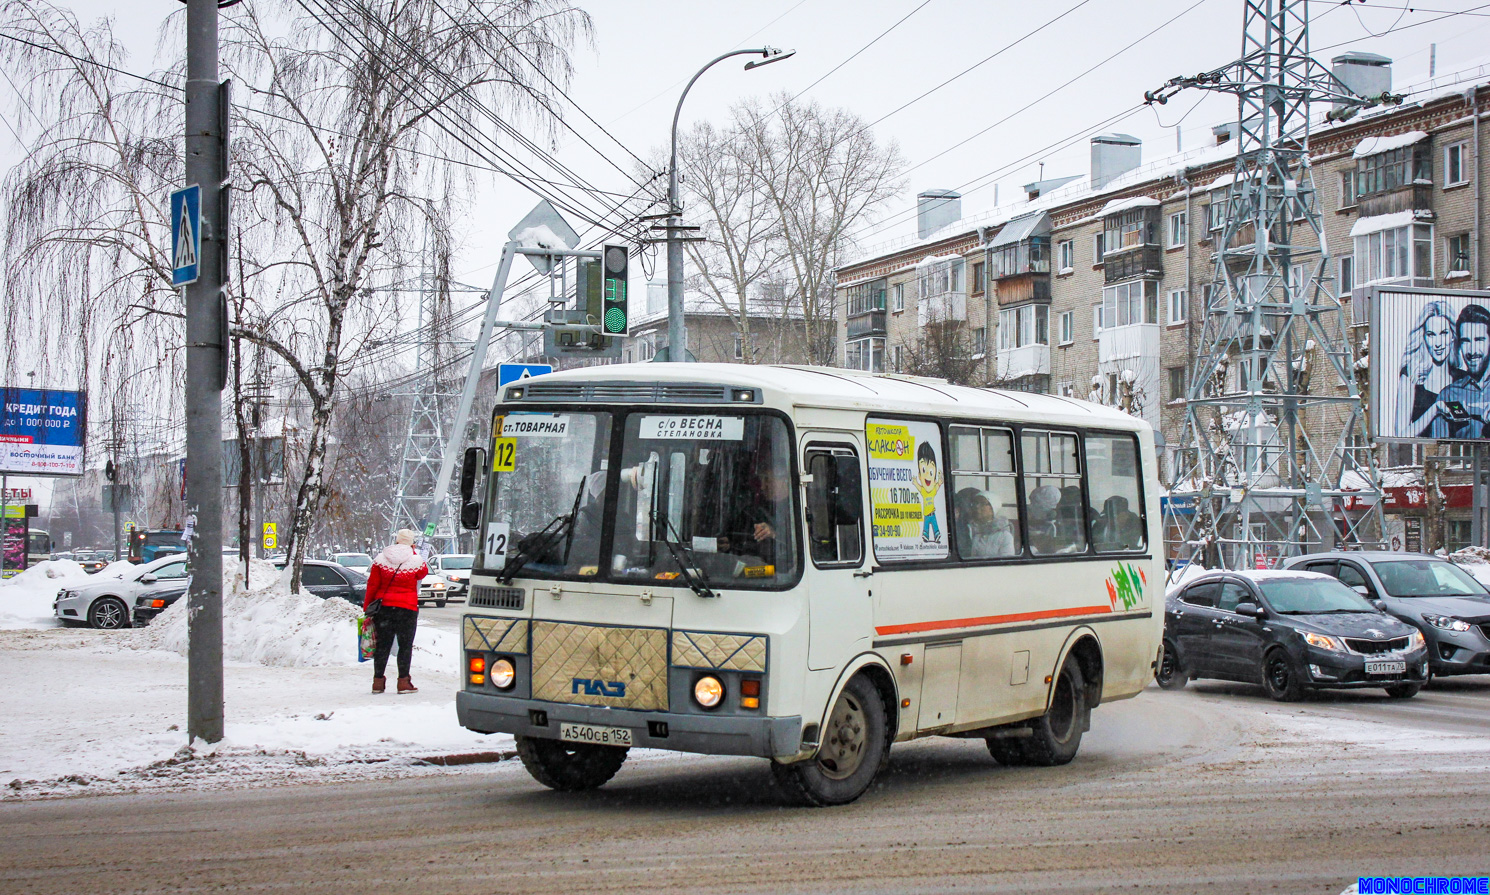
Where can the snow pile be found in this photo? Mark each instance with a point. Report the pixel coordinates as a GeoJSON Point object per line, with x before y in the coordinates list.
{"type": "Point", "coordinates": [1475, 561]}
{"type": "Point", "coordinates": [267, 625]}
{"type": "Point", "coordinates": [26, 599]}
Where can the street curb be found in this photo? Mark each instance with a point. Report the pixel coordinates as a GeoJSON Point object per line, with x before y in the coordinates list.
{"type": "Point", "coordinates": [468, 758]}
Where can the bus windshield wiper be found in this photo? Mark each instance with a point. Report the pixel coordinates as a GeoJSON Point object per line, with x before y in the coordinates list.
{"type": "Point", "coordinates": [678, 551]}
{"type": "Point", "coordinates": [556, 528]}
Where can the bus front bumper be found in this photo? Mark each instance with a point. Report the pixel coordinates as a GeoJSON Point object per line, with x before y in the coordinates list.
{"type": "Point", "coordinates": [709, 734]}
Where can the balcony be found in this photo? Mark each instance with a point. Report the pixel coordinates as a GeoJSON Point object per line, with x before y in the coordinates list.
{"type": "Point", "coordinates": [869, 324]}
{"type": "Point", "coordinates": [1027, 360]}
{"type": "Point", "coordinates": [1140, 261]}
{"type": "Point", "coordinates": [1120, 343]}
{"type": "Point", "coordinates": [1408, 197]}
{"type": "Point", "coordinates": [945, 307]}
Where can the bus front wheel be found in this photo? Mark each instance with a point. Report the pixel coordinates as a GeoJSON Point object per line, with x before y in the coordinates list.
{"type": "Point", "coordinates": [854, 744]}
{"type": "Point", "coordinates": [569, 767]}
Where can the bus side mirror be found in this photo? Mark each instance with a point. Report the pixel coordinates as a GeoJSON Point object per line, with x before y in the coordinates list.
{"type": "Point", "coordinates": [475, 459]}
{"type": "Point", "coordinates": [470, 515]}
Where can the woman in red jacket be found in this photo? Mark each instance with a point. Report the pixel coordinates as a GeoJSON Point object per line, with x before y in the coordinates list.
{"type": "Point", "coordinates": [394, 580]}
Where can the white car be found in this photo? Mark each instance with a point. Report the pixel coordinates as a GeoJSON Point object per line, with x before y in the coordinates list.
{"type": "Point", "coordinates": [455, 568]}
{"type": "Point", "coordinates": [359, 561]}
{"type": "Point", "coordinates": [434, 589]}
{"type": "Point", "coordinates": [107, 602]}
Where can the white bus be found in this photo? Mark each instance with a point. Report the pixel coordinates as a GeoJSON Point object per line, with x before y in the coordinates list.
{"type": "Point", "coordinates": [805, 565]}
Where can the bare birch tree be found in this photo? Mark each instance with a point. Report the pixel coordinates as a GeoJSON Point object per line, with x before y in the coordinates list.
{"type": "Point", "coordinates": [345, 118]}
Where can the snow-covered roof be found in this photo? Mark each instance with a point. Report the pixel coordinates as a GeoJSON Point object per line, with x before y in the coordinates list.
{"type": "Point", "coordinates": [937, 259]}
{"type": "Point", "coordinates": [1222, 182]}
{"type": "Point", "coordinates": [1036, 223]}
{"type": "Point", "coordinates": [1378, 145]}
{"type": "Point", "coordinates": [1378, 222]}
{"type": "Point", "coordinates": [1117, 205]}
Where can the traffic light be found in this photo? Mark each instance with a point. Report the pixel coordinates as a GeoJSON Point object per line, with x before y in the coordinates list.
{"type": "Point", "coordinates": [137, 546]}
{"type": "Point", "coordinates": [615, 322]}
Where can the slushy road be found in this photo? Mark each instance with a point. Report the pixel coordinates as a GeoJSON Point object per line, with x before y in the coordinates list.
{"type": "Point", "coordinates": [1212, 789]}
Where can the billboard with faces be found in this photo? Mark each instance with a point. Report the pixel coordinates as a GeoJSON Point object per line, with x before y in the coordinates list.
{"type": "Point", "coordinates": [1430, 364]}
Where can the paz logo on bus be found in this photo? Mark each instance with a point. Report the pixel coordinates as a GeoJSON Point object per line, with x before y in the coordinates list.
{"type": "Point", "coordinates": [597, 687]}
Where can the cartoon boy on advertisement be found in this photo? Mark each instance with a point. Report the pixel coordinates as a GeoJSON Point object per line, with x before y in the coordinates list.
{"type": "Point", "coordinates": [928, 482]}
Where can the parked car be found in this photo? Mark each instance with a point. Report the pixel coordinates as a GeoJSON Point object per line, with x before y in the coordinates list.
{"type": "Point", "coordinates": [1447, 604]}
{"type": "Point", "coordinates": [433, 589]}
{"type": "Point", "coordinates": [328, 580]}
{"type": "Point", "coordinates": [455, 568]}
{"type": "Point", "coordinates": [155, 601]}
{"type": "Point", "coordinates": [359, 561]}
{"type": "Point", "coordinates": [107, 601]}
{"type": "Point", "coordinates": [1290, 630]}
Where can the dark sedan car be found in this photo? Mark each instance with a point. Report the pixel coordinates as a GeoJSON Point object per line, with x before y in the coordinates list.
{"type": "Point", "coordinates": [328, 579]}
{"type": "Point", "coordinates": [1290, 631]}
{"type": "Point", "coordinates": [154, 601]}
{"type": "Point", "coordinates": [1437, 597]}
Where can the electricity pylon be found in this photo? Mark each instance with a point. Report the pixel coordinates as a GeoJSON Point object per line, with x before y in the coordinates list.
{"type": "Point", "coordinates": [1275, 459]}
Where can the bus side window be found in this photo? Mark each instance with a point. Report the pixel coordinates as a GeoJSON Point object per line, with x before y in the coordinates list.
{"type": "Point", "coordinates": [1116, 493]}
{"type": "Point", "coordinates": [985, 499]}
{"type": "Point", "coordinates": [835, 507]}
{"type": "Point", "coordinates": [1052, 481]}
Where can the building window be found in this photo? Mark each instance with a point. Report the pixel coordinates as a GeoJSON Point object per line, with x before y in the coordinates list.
{"type": "Point", "coordinates": [1178, 299]}
{"type": "Point", "coordinates": [1097, 250]}
{"type": "Point", "coordinates": [1066, 389]}
{"type": "Point", "coordinates": [1455, 167]}
{"type": "Point", "coordinates": [1018, 327]}
{"type": "Point", "coordinates": [1398, 253]}
{"type": "Point", "coordinates": [1177, 388]}
{"type": "Point", "coordinates": [1216, 214]}
{"type": "Point", "coordinates": [1385, 171]}
{"type": "Point", "coordinates": [978, 278]}
{"type": "Point", "coordinates": [1028, 256]}
{"type": "Point", "coordinates": [1066, 250]}
{"type": "Point", "coordinates": [1347, 189]}
{"type": "Point", "coordinates": [897, 297]}
{"type": "Point", "coordinates": [1068, 327]}
{"type": "Point", "coordinates": [1178, 229]}
{"type": "Point", "coordinates": [1096, 319]}
{"type": "Point", "coordinates": [866, 297]}
{"type": "Point", "coordinates": [940, 278]}
{"type": "Point", "coordinates": [1458, 259]}
{"type": "Point", "coordinates": [899, 358]}
{"type": "Point", "coordinates": [1136, 301]}
{"type": "Point", "coordinates": [980, 341]}
{"type": "Point", "coordinates": [739, 347]}
{"type": "Point", "coordinates": [865, 354]}
{"type": "Point", "coordinates": [1346, 277]}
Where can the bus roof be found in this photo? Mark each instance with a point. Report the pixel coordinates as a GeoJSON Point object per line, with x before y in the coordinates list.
{"type": "Point", "coordinates": [826, 387]}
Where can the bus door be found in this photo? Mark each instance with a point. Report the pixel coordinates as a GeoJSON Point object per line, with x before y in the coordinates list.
{"type": "Point", "coordinates": [839, 608]}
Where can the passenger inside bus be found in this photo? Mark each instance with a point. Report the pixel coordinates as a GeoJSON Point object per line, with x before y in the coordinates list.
{"type": "Point", "coordinates": [1117, 527]}
{"type": "Point", "coordinates": [751, 530]}
{"type": "Point", "coordinates": [982, 533]}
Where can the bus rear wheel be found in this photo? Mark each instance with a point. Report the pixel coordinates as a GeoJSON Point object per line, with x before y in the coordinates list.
{"type": "Point", "coordinates": [1057, 733]}
{"type": "Point", "coordinates": [854, 744]}
{"type": "Point", "coordinates": [570, 767]}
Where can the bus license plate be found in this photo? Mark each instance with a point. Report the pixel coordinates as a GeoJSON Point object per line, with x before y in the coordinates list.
{"type": "Point", "coordinates": [1386, 667]}
{"type": "Point", "coordinates": [600, 736]}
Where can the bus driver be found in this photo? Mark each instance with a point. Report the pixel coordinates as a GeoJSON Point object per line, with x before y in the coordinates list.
{"type": "Point", "coordinates": [757, 518]}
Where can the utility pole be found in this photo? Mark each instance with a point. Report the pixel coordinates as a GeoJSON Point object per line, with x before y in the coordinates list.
{"type": "Point", "coordinates": [206, 166]}
{"type": "Point", "coordinates": [1270, 459]}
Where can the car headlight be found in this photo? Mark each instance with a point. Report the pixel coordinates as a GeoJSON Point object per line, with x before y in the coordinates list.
{"type": "Point", "coordinates": [1323, 641]}
{"type": "Point", "coordinates": [1447, 622]}
{"type": "Point", "coordinates": [1415, 639]}
{"type": "Point", "coordinates": [708, 691]}
{"type": "Point", "coordinates": [503, 674]}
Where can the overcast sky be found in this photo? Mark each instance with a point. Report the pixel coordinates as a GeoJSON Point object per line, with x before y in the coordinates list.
{"type": "Point", "coordinates": [645, 50]}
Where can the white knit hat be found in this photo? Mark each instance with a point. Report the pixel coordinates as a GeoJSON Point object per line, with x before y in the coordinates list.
{"type": "Point", "coordinates": [406, 537]}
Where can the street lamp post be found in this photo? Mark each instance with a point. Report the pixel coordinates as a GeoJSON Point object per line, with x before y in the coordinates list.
{"type": "Point", "coordinates": [677, 329]}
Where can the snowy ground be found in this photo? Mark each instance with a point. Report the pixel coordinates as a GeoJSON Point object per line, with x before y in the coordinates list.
{"type": "Point", "coordinates": [104, 711]}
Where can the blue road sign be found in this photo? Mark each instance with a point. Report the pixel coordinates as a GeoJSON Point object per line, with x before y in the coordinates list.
{"type": "Point", "coordinates": [509, 373]}
{"type": "Point", "coordinates": [186, 234]}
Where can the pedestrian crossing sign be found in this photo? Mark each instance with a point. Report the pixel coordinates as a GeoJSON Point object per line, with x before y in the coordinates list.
{"type": "Point", "coordinates": [186, 235]}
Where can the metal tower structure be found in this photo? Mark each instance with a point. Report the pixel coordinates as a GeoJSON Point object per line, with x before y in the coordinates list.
{"type": "Point", "coordinates": [1275, 458]}
{"type": "Point", "coordinates": [424, 441]}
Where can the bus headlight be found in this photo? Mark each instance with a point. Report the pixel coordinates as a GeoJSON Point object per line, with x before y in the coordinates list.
{"type": "Point", "coordinates": [503, 674]}
{"type": "Point", "coordinates": [708, 691]}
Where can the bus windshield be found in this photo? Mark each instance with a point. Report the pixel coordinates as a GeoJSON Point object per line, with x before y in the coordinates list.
{"type": "Point", "coordinates": [705, 496]}
{"type": "Point", "coordinates": [548, 487]}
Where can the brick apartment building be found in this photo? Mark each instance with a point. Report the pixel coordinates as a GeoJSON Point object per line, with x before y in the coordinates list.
{"type": "Point", "coordinates": [1097, 281]}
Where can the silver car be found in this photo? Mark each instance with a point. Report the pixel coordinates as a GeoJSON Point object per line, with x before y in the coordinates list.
{"type": "Point", "coordinates": [107, 602]}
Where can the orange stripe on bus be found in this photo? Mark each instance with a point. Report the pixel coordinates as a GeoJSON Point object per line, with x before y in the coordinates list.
{"type": "Point", "coordinates": [992, 620]}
